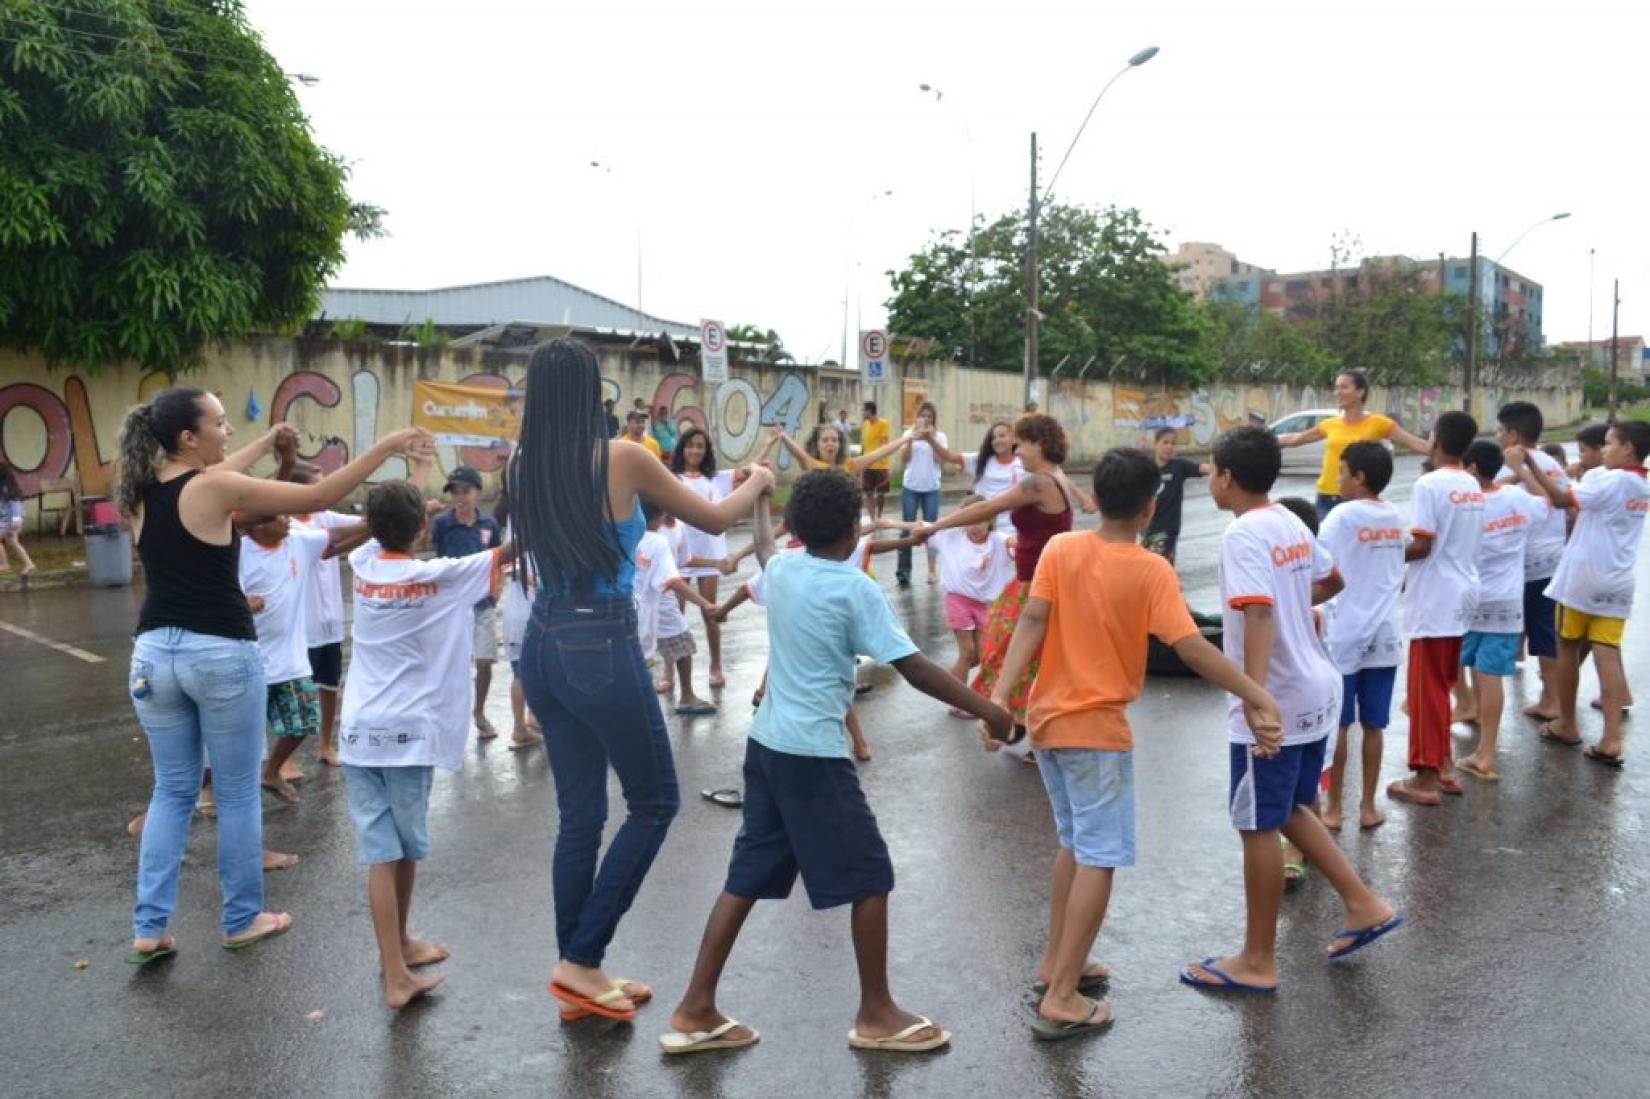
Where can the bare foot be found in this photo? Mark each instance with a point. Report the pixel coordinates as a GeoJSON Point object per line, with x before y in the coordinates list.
{"type": "Point", "coordinates": [665, 686]}
{"type": "Point", "coordinates": [1075, 1009]}
{"type": "Point", "coordinates": [1406, 790]}
{"type": "Point", "coordinates": [484, 731]}
{"type": "Point", "coordinates": [1464, 717]}
{"type": "Point", "coordinates": [291, 773]}
{"type": "Point", "coordinates": [328, 757]}
{"type": "Point", "coordinates": [417, 952]}
{"type": "Point", "coordinates": [1331, 817]}
{"type": "Point", "coordinates": [888, 1023]}
{"type": "Point", "coordinates": [1539, 714]}
{"type": "Point", "coordinates": [134, 827]}
{"type": "Point", "coordinates": [275, 860]}
{"type": "Point", "coordinates": [401, 991]}
{"type": "Point", "coordinates": [717, 679]}
{"type": "Point", "coordinates": [1370, 817]}
{"type": "Point", "coordinates": [149, 946]}
{"type": "Point", "coordinates": [263, 925]}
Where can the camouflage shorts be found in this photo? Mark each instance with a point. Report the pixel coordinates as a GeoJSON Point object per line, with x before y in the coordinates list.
{"type": "Point", "coordinates": [294, 708]}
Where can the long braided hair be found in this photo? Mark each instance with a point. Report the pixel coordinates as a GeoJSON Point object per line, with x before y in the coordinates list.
{"type": "Point", "coordinates": [558, 474]}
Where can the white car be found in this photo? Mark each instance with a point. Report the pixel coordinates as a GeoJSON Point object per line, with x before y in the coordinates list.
{"type": "Point", "coordinates": [1310, 455]}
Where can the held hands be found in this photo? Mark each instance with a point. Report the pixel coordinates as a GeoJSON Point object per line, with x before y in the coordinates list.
{"type": "Point", "coordinates": [763, 476]}
{"type": "Point", "coordinates": [1267, 725]}
{"type": "Point", "coordinates": [1514, 456]}
{"type": "Point", "coordinates": [727, 566]}
{"type": "Point", "coordinates": [411, 442]}
{"type": "Point", "coordinates": [256, 603]}
{"type": "Point", "coordinates": [996, 728]}
{"type": "Point", "coordinates": [283, 442]}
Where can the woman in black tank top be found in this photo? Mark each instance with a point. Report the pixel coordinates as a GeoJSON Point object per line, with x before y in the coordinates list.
{"type": "Point", "coordinates": [197, 679]}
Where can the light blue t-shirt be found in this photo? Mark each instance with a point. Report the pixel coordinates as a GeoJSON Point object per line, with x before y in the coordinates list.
{"type": "Point", "coordinates": [821, 614]}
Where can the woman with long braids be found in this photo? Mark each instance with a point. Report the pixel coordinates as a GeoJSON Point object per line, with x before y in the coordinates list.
{"type": "Point", "coordinates": [997, 468]}
{"type": "Point", "coordinates": [197, 680]}
{"type": "Point", "coordinates": [578, 518]}
{"type": "Point", "coordinates": [694, 463]}
{"type": "Point", "coordinates": [1041, 504]}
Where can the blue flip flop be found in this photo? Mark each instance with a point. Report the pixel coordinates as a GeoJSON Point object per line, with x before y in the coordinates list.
{"type": "Point", "coordinates": [1362, 937]}
{"type": "Point", "coordinates": [1227, 983]}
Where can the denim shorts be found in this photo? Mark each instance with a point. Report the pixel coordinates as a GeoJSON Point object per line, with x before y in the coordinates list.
{"type": "Point", "coordinates": [388, 806]}
{"type": "Point", "coordinates": [807, 815]}
{"type": "Point", "coordinates": [1092, 795]}
{"type": "Point", "coordinates": [1490, 653]}
{"type": "Point", "coordinates": [1266, 790]}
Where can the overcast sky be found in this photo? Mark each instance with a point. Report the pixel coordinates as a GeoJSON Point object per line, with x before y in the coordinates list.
{"type": "Point", "coordinates": [746, 139]}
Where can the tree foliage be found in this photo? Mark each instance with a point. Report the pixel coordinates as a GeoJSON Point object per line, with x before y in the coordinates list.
{"type": "Point", "coordinates": [1108, 300]}
{"type": "Point", "coordinates": [771, 344]}
{"type": "Point", "coordinates": [159, 185]}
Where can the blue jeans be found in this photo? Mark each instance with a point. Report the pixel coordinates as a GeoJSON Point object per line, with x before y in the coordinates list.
{"type": "Point", "coordinates": [909, 504]}
{"type": "Point", "coordinates": [585, 679]}
{"type": "Point", "coordinates": [1324, 505]}
{"type": "Point", "coordinates": [205, 699]}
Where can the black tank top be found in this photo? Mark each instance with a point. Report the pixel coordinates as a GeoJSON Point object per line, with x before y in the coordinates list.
{"type": "Point", "coordinates": [190, 584]}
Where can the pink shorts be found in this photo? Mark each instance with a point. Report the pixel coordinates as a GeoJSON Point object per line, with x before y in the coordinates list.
{"type": "Point", "coordinates": [963, 613]}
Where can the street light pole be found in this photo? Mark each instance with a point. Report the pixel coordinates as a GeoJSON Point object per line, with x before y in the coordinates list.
{"type": "Point", "coordinates": [1470, 374]}
{"type": "Point", "coordinates": [1615, 331]}
{"type": "Point", "coordinates": [1032, 314]}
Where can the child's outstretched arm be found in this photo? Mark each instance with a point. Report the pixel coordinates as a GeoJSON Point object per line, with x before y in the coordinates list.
{"type": "Point", "coordinates": [691, 594]}
{"type": "Point", "coordinates": [1537, 479]}
{"type": "Point", "coordinates": [1260, 709]}
{"type": "Point", "coordinates": [889, 545]}
{"type": "Point", "coordinates": [1327, 588]}
{"type": "Point", "coordinates": [935, 682]}
{"type": "Point", "coordinates": [741, 594]}
{"type": "Point", "coordinates": [342, 540]}
{"type": "Point", "coordinates": [762, 530]}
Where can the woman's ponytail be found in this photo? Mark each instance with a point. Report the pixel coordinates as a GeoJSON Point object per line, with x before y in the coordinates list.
{"type": "Point", "coordinates": [137, 459]}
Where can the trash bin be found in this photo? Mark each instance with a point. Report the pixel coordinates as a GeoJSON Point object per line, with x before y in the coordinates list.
{"type": "Point", "coordinates": [109, 556]}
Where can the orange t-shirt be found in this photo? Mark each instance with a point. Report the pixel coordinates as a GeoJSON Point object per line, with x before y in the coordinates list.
{"type": "Point", "coordinates": [1104, 599]}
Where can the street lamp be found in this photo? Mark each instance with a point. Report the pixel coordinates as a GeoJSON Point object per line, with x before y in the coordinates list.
{"type": "Point", "coordinates": [847, 264]}
{"type": "Point", "coordinates": [308, 80]}
{"type": "Point", "coordinates": [973, 181]}
{"type": "Point", "coordinates": [1033, 315]}
{"type": "Point", "coordinates": [1469, 376]}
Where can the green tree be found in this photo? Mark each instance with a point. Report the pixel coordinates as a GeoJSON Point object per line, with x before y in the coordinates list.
{"type": "Point", "coordinates": [1107, 298]}
{"type": "Point", "coordinates": [159, 185]}
{"type": "Point", "coordinates": [772, 345]}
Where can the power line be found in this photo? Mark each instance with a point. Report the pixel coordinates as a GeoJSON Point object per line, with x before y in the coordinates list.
{"type": "Point", "coordinates": [115, 56]}
{"type": "Point", "coordinates": [117, 18]}
{"type": "Point", "coordinates": [121, 39]}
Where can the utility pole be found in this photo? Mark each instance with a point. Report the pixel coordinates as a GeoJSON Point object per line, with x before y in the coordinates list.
{"type": "Point", "coordinates": [1031, 282]}
{"type": "Point", "coordinates": [1615, 326]}
{"type": "Point", "coordinates": [1470, 377]}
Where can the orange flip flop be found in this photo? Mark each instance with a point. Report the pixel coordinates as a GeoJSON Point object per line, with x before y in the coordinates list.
{"type": "Point", "coordinates": [570, 1014]}
{"type": "Point", "coordinates": [597, 1005]}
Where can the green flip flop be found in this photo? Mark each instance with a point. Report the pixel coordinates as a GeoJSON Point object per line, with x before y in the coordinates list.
{"type": "Point", "coordinates": [1047, 1030]}
{"type": "Point", "coordinates": [242, 944]}
{"type": "Point", "coordinates": [143, 958]}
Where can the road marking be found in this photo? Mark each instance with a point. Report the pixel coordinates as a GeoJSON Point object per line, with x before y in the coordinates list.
{"type": "Point", "coordinates": [30, 635]}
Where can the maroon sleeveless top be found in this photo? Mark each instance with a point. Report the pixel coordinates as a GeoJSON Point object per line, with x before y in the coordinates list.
{"type": "Point", "coordinates": [1033, 528]}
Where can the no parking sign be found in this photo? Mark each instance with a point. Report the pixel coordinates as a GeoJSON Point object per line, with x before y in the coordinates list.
{"type": "Point", "coordinates": [873, 356]}
{"type": "Point", "coordinates": [713, 351]}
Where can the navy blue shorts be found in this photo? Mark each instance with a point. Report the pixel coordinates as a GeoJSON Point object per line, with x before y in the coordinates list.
{"type": "Point", "coordinates": [326, 665]}
{"type": "Point", "coordinates": [807, 815]}
{"type": "Point", "coordinates": [1540, 620]}
{"type": "Point", "coordinates": [1265, 791]}
{"type": "Point", "coordinates": [1366, 697]}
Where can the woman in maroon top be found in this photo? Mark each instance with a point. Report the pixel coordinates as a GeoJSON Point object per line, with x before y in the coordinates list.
{"type": "Point", "coordinates": [1040, 504]}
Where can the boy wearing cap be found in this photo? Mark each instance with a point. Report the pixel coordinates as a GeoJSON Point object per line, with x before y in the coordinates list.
{"type": "Point", "coordinates": [460, 531]}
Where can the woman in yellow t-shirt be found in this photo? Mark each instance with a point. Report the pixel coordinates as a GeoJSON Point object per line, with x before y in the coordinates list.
{"type": "Point", "coordinates": [1353, 425]}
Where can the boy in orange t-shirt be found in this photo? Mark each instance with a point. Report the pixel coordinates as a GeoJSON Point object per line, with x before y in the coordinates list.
{"type": "Point", "coordinates": [1094, 600]}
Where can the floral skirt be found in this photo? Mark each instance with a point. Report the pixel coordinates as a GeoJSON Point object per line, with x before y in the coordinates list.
{"type": "Point", "coordinates": [999, 631]}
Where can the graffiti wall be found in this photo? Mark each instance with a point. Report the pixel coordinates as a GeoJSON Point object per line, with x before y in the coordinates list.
{"type": "Point", "coordinates": [62, 424]}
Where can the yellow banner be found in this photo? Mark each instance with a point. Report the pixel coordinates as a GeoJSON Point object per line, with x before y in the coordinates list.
{"type": "Point", "coordinates": [468, 415]}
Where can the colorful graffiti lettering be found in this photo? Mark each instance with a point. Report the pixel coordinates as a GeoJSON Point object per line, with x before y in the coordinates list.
{"type": "Point", "coordinates": [333, 453]}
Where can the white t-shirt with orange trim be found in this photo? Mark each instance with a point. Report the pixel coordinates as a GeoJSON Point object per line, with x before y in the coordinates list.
{"type": "Point", "coordinates": [974, 570]}
{"type": "Point", "coordinates": [281, 576]}
{"type": "Point", "coordinates": [695, 542]}
{"type": "Point", "coordinates": [1545, 544]}
{"type": "Point", "coordinates": [407, 699]}
{"type": "Point", "coordinates": [1511, 518]}
{"type": "Point", "coordinates": [1268, 556]}
{"type": "Point", "coordinates": [1442, 588]}
{"type": "Point", "coordinates": [1595, 575]}
{"type": "Point", "coordinates": [324, 595]}
{"type": "Point", "coordinates": [658, 613]}
{"type": "Point", "coordinates": [1366, 540]}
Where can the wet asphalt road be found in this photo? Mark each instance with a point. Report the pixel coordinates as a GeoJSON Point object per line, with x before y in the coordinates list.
{"type": "Point", "coordinates": [1521, 972]}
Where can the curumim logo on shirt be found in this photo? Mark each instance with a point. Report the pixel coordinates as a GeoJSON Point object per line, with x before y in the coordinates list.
{"type": "Point", "coordinates": [1394, 535]}
{"type": "Point", "coordinates": [1638, 505]}
{"type": "Point", "coordinates": [1283, 556]}
{"type": "Point", "coordinates": [1506, 522]}
{"type": "Point", "coordinates": [1456, 496]}
{"type": "Point", "coordinates": [395, 593]}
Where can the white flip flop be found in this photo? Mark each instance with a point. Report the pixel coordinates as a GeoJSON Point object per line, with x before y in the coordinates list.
{"type": "Point", "coordinates": [701, 1041]}
{"type": "Point", "coordinates": [896, 1043]}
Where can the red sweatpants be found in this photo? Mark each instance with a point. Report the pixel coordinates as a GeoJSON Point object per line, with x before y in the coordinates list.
{"type": "Point", "coordinates": [1434, 666]}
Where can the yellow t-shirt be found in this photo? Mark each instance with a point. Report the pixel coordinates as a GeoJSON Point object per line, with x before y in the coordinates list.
{"type": "Point", "coordinates": [1337, 434]}
{"type": "Point", "coordinates": [874, 434]}
{"type": "Point", "coordinates": [647, 441]}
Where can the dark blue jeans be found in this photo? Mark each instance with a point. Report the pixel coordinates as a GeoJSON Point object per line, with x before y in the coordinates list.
{"type": "Point", "coordinates": [585, 679]}
{"type": "Point", "coordinates": [909, 504]}
{"type": "Point", "coordinates": [1325, 505]}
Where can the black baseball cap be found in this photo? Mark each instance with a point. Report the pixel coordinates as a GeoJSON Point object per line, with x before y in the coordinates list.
{"type": "Point", "coordinates": [463, 475]}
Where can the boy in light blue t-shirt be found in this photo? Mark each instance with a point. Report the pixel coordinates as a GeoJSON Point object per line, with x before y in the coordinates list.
{"type": "Point", "coordinates": [804, 811]}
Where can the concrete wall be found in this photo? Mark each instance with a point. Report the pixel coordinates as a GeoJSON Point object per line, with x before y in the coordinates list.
{"type": "Point", "coordinates": [63, 423]}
